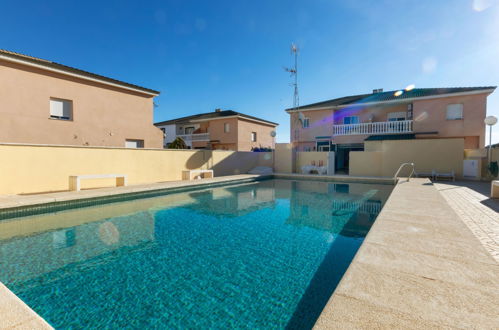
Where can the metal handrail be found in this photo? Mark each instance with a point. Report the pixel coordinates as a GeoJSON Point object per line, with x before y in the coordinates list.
{"type": "Point", "coordinates": [395, 177]}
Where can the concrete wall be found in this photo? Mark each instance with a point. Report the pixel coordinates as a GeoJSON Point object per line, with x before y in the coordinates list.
{"type": "Point", "coordinates": [307, 157]}
{"type": "Point", "coordinates": [30, 169]}
{"type": "Point", "coordinates": [102, 115]}
{"type": "Point", "coordinates": [283, 158]}
{"type": "Point", "coordinates": [383, 158]}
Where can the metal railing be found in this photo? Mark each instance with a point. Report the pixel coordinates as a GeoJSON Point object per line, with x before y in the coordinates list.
{"type": "Point", "coordinates": [395, 177]}
{"type": "Point", "coordinates": [382, 127]}
{"type": "Point", "coordinates": [195, 137]}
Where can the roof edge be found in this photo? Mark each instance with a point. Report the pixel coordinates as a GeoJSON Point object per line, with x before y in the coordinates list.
{"type": "Point", "coordinates": [486, 90]}
{"type": "Point", "coordinates": [70, 71]}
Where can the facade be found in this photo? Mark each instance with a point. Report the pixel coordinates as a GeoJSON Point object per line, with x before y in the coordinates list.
{"type": "Point", "coordinates": [221, 129]}
{"type": "Point", "coordinates": [42, 102]}
{"type": "Point", "coordinates": [343, 124]}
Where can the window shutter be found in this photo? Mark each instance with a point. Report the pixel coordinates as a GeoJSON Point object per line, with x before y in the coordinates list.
{"type": "Point", "coordinates": [56, 108]}
{"type": "Point", "coordinates": [455, 111]}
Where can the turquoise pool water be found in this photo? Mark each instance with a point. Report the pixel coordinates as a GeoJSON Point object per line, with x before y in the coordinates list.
{"type": "Point", "coordinates": [266, 254]}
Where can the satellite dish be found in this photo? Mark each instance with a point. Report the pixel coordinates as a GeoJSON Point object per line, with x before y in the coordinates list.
{"type": "Point", "coordinates": [273, 133]}
{"type": "Point", "coordinates": [301, 118]}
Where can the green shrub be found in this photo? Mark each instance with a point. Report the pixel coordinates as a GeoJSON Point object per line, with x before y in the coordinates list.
{"type": "Point", "coordinates": [493, 169]}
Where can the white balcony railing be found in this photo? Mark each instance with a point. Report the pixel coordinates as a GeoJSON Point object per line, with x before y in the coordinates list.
{"type": "Point", "coordinates": [195, 137]}
{"type": "Point", "coordinates": [383, 127]}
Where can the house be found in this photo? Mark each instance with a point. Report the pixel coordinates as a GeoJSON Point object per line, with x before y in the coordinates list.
{"type": "Point", "coordinates": [221, 129]}
{"type": "Point", "coordinates": [43, 102]}
{"type": "Point", "coordinates": [343, 124]}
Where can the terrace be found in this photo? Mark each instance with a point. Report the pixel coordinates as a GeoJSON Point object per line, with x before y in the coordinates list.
{"type": "Point", "coordinates": [384, 127]}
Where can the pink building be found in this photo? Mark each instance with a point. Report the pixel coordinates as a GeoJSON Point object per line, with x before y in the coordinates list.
{"type": "Point", "coordinates": [220, 130]}
{"type": "Point", "coordinates": [343, 124]}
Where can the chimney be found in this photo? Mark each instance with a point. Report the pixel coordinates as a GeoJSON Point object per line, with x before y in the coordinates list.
{"type": "Point", "coordinates": [218, 110]}
{"type": "Point", "coordinates": [379, 90]}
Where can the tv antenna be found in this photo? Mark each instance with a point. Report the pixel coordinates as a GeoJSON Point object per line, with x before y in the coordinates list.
{"type": "Point", "coordinates": [294, 74]}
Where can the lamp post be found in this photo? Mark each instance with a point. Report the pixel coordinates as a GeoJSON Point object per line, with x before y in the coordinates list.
{"type": "Point", "coordinates": [490, 121]}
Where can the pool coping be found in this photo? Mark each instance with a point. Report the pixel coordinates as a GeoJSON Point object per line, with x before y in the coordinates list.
{"type": "Point", "coordinates": [418, 267]}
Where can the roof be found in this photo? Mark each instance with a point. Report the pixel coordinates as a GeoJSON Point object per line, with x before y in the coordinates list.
{"type": "Point", "coordinates": [212, 115]}
{"type": "Point", "coordinates": [390, 96]}
{"type": "Point", "coordinates": [53, 65]}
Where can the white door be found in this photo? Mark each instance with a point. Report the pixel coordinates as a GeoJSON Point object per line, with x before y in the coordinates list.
{"type": "Point", "coordinates": [470, 168]}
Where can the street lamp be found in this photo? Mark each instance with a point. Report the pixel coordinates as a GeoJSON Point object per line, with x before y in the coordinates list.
{"type": "Point", "coordinates": [490, 121]}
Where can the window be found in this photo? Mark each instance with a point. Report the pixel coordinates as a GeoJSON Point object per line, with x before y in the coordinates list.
{"type": "Point", "coordinates": [226, 127]}
{"type": "Point", "coordinates": [189, 130]}
{"type": "Point", "coordinates": [306, 122]}
{"type": "Point", "coordinates": [134, 143]}
{"type": "Point", "coordinates": [61, 109]}
{"type": "Point", "coordinates": [454, 111]}
{"type": "Point", "coordinates": [396, 116]}
{"type": "Point", "coordinates": [253, 136]}
{"type": "Point", "coordinates": [350, 120]}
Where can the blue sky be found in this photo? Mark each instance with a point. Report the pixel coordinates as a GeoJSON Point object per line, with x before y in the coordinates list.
{"type": "Point", "coordinates": [204, 55]}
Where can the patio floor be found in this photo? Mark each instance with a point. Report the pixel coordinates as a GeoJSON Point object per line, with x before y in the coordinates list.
{"type": "Point", "coordinates": [472, 203]}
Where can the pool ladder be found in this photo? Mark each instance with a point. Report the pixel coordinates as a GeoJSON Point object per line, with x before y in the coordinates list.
{"type": "Point", "coordinates": [395, 177]}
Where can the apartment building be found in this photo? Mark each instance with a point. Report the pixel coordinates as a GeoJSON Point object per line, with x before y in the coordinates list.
{"type": "Point", "coordinates": [43, 102]}
{"type": "Point", "coordinates": [343, 124]}
{"type": "Point", "coordinates": [222, 130]}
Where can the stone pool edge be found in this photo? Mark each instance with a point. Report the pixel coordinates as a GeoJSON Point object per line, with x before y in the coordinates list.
{"type": "Point", "coordinates": [418, 267]}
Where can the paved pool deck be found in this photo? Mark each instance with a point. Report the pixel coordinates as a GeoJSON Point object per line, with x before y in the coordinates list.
{"type": "Point", "coordinates": [419, 267]}
{"type": "Point", "coordinates": [471, 202]}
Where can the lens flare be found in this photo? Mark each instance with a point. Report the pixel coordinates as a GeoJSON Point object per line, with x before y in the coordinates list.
{"type": "Point", "coordinates": [410, 87]}
{"type": "Point", "coordinates": [398, 93]}
{"type": "Point", "coordinates": [421, 116]}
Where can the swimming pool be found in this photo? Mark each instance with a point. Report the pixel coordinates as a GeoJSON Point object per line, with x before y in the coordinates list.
{"type": "Point", "coordinates": [264, 254]}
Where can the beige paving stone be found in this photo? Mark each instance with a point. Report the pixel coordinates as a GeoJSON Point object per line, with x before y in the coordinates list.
{"type": "Point", "coordinates": [418, 268]}
{"type": "Point", "coordinates": [342, 312]}
{"type": "Point", "coordinates": [422, 297]}
{"type": "Point", "coordinates": [471, 202]}
{"type": "Point", "coordinates": [14, 313]}
{"type": "Point", "coordinates": [468, 273]}
{"type": "Point", "coordinates": [429, 244]}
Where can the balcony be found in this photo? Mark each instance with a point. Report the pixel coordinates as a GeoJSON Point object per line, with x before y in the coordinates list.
{"type": "Point", "coordinates": [383, 127]}
{"type": "Point", "coordinates": [195, 137]}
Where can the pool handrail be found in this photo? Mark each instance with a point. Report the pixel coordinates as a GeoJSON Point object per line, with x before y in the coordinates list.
{"type": "Point", "coordinates": [395, 177]}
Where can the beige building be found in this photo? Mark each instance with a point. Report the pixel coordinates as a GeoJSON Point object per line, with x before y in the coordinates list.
{"type": "Point", "coordinates": [220, 130]}
{"type": "Point", "coordinates": [42, 102]}
{"type": "Point", "coordinates": [343, 124]}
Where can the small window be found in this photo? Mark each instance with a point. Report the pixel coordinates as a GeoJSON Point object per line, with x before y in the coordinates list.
{"type": "Point", "coordinates": [189, 130]}
{"type": "Point", "coordinates": [253, 136]}
{"type": "Point", "coordinates": [350, 120]}
{"type": "Point", "coordinates": [454, 111]}
{"type": "Point", "coordinates": [134, 143]}
{"type": "Point", "coordinates": [61, 109]}
{"type": "Point", "coordinates": [306, 122]}
{"type": "Point", "coordinates": [226, 127]}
